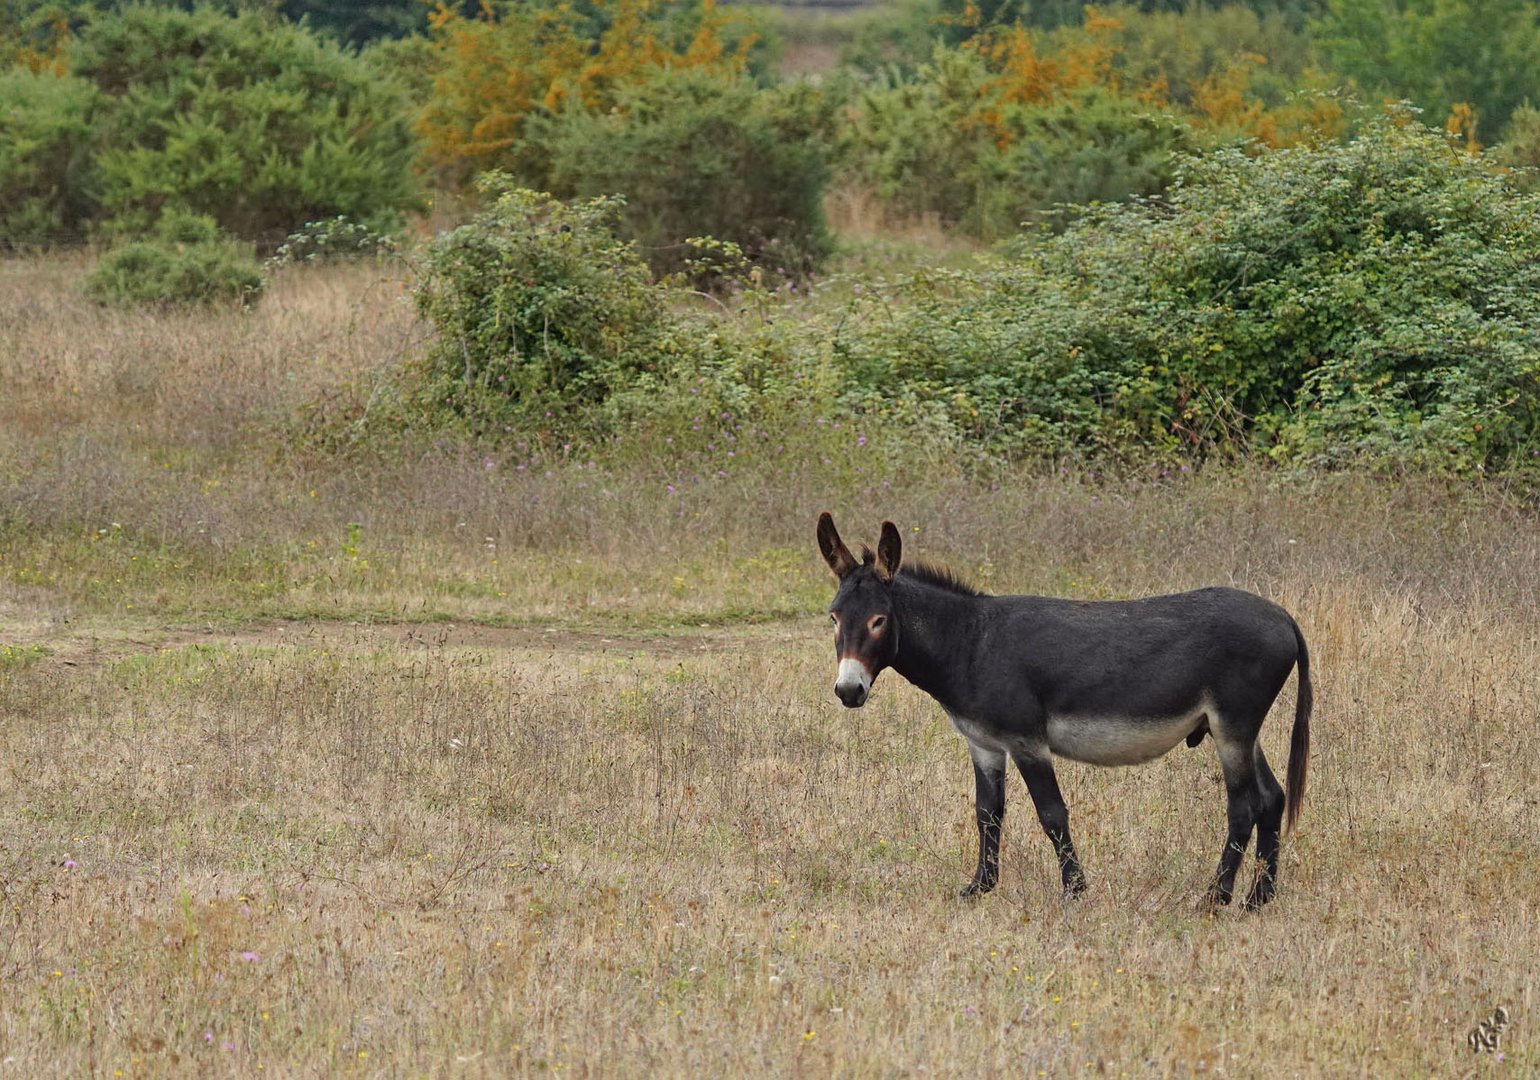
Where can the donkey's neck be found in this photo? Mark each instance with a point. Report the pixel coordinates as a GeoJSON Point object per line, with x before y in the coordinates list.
{"type": "Point", "coordinates": [937, 629]}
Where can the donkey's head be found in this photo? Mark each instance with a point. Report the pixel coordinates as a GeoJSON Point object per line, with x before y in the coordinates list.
{"type": "Point", "coordinates": [865, 631]}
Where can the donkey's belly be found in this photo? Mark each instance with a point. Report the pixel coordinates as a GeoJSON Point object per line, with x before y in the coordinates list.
{"type": "Point", "coordinates": [1119, 740]}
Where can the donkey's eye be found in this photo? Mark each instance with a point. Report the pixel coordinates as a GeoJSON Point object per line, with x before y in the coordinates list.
{"type": "Point", "coordinates": [835, 619]}
{"type": "Point", "coordinates": [876, 623]}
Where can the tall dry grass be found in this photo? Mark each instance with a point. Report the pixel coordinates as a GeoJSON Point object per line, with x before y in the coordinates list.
{"type": "Point", "coordinates": [310, 851]}
{"type": "Point", "coordinates": [611, 821]}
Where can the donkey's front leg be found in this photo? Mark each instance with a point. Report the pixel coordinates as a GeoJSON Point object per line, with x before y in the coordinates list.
{"type": "Point", "coordinates": [989, 806]}
{"type": "Point", "coordinates": [1036, 767]}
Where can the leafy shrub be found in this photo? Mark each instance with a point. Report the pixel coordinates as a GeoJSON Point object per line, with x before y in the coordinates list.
{"type": "Point", "coordinates": [1439, 53]}
{"type": "Point", "coordinates": [1520, 148]}
{"type": "Point", "coordinates": [186, 262]}
{"type": "Point", "coordinates": [1376, 300]}
{"type": "Point", "coordinates": [945, 143]}
{"type": "Point", "coordinates": [1181, 50]}
{"type": "Point", "coordinates": [1090, 147]}
{"type": "Point", "coordinates": [47, 179]}
{"type": "Point", "coordinates": [519, 60]}
{"type": "Point", "coordinates": [696, 154]}
{"type": "Point", "coordinates": [336, 239]}
{"type": "Point", "coordinates": [917, 144]}
{"type": "Point", "coordinates": [540, 310]}
{"type": "Point", "coordinates": [259, 124]}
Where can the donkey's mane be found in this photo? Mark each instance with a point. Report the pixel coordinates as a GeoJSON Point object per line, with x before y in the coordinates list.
{"type": "Point", "coordinates": [929, 573]}
{"type": "Point", "coordinates": [940, 576]}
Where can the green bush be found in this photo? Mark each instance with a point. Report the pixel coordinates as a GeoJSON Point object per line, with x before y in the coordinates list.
{"type": "Point", "coordinates": [48, 183]}
{"type": "Point", "coordinates": [541, 312]}
{"type": "Point", "coordinates": [334, 240]}
{"type": "Point", "coordinates": [1438, 53]}
{"type": "Point", "coordinates": [919, 146]}
{"type": "Point", "coordinates": [1181, 49]}
{"type": "Point", "coordinates": [1520, 149]}
{"type": "Point", "coordinates": [697, 154]}
{"type": "Point", "coordinates": [186, 262]}
{"type": "Point", "coordinates": [1372, 301]}
{"type": "Point", "coordinates": [915, 145]}
{"type": "Point", "coordinates": [257, 123]}
{"type": "Point", "coordinates": [1094, 146]}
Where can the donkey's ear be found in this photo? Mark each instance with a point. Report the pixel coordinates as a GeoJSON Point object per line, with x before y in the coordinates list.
{"type": "Point", "coordinates": [835, 553]}
{"type": "Point", "coordinates": [890, 552]}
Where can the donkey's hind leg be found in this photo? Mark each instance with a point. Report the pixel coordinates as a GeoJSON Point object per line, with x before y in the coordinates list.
{"type": "Point", "coordinates": [1269, 823]}
{"type": "Point", "coordinates": [1237, 756]}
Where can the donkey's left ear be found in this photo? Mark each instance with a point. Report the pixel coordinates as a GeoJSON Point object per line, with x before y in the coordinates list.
{"type": "Point", "coordinates": [890, 552]}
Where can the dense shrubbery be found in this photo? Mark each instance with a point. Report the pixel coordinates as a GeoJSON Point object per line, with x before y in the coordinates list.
{"type": "Point", "coordinates": [1236, 257]}
{"type": "Point", "coordinates": [185, 261]}
{"type": "Point", "coordinates": [540, 310]}
{"type": "Point", "coordinates": [518, 61]}
{"type": "Point", "coordinates": [48, 180]}
{"type": "Point", "coordinates": [1013, 126]}
{"type": "Point", "coordinates": [261, 126]}
{"type": "Point", "coordinates": [699, 155]}
{"type": "Point", "coordinates": [652, 103]}
{"type": "Point", "coordinates": [258, 124]}
{"type": "Point", "coordinates": [1470, 60]}
{"type": "Point", "coordinates": [1376, 300]}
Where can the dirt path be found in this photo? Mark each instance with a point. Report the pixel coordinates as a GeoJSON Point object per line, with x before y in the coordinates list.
{"type": "Point", "coordinates": [86, 643]}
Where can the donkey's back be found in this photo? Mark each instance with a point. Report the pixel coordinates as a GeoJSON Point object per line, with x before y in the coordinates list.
{"type": "Point", "coordinates": [1215, 650]}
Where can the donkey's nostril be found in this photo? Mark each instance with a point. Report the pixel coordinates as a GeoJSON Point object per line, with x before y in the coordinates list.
{"type": "Point", "coordinates": [853, 695]}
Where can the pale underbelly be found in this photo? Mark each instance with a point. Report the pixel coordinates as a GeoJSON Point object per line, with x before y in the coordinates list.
{"type": "Point", "coordinates": [1095, 740]}
{"type": "Point", "coordinates": [1119, 740]}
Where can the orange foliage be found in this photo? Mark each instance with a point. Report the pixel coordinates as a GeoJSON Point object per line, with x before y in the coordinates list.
{"type": "Point", "coordinates": [50, 55]}
{"type": "Point", "coordinates": [1462, 125]}
{"type": "Point", "coordinates": [1223, 103]}
{"type": "Point", "coordinates": [1026, 77]}
{"type": "Point", "coordinates": [500, 68]}
{"type": "Point", "coordinates": [1026, 74]}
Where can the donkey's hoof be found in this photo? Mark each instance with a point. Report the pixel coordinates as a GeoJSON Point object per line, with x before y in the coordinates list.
{"type": "Point", "coordinates": [974, 890]}
{"type": "Point", "coordinates": [1213, 900]}
{"type": "Point", "coordinates": [1262, 890]}
{"type": "Point", "coordinates": [1074, 887]}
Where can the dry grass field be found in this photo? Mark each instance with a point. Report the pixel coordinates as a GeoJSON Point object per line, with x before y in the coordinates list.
{"type": "Point", "coordinates": [432, 765]}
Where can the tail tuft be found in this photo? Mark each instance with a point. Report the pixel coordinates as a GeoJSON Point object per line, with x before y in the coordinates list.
{"type": "Point", "coordinates": [1299, 741]}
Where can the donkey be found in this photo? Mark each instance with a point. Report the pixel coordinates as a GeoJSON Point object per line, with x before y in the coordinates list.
{"type": "Point", "coordinates": [1114, 682]}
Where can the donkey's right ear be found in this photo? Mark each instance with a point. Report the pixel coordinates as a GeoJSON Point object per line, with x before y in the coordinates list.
{"type": "Point", "coordinates": [835, 553]}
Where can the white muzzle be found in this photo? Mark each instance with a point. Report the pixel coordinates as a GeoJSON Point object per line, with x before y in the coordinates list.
{"type": "Point", "coordinates": [852, 683]}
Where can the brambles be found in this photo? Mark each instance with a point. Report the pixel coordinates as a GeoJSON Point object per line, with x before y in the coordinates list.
{"type": "Point", "coordinates": [332, 240]}
{"type": "Point", "coordinates": [1372, 302]}
{"type": "Point", "coordinates": [540, 309]}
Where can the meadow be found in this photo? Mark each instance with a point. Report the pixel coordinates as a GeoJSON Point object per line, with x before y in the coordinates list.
{"type": "Point", "coordinates": [462, 760]}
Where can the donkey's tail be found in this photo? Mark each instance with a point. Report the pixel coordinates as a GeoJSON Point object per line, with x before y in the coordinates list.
{"type": "Point", "coordinates": [1299, 741]}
